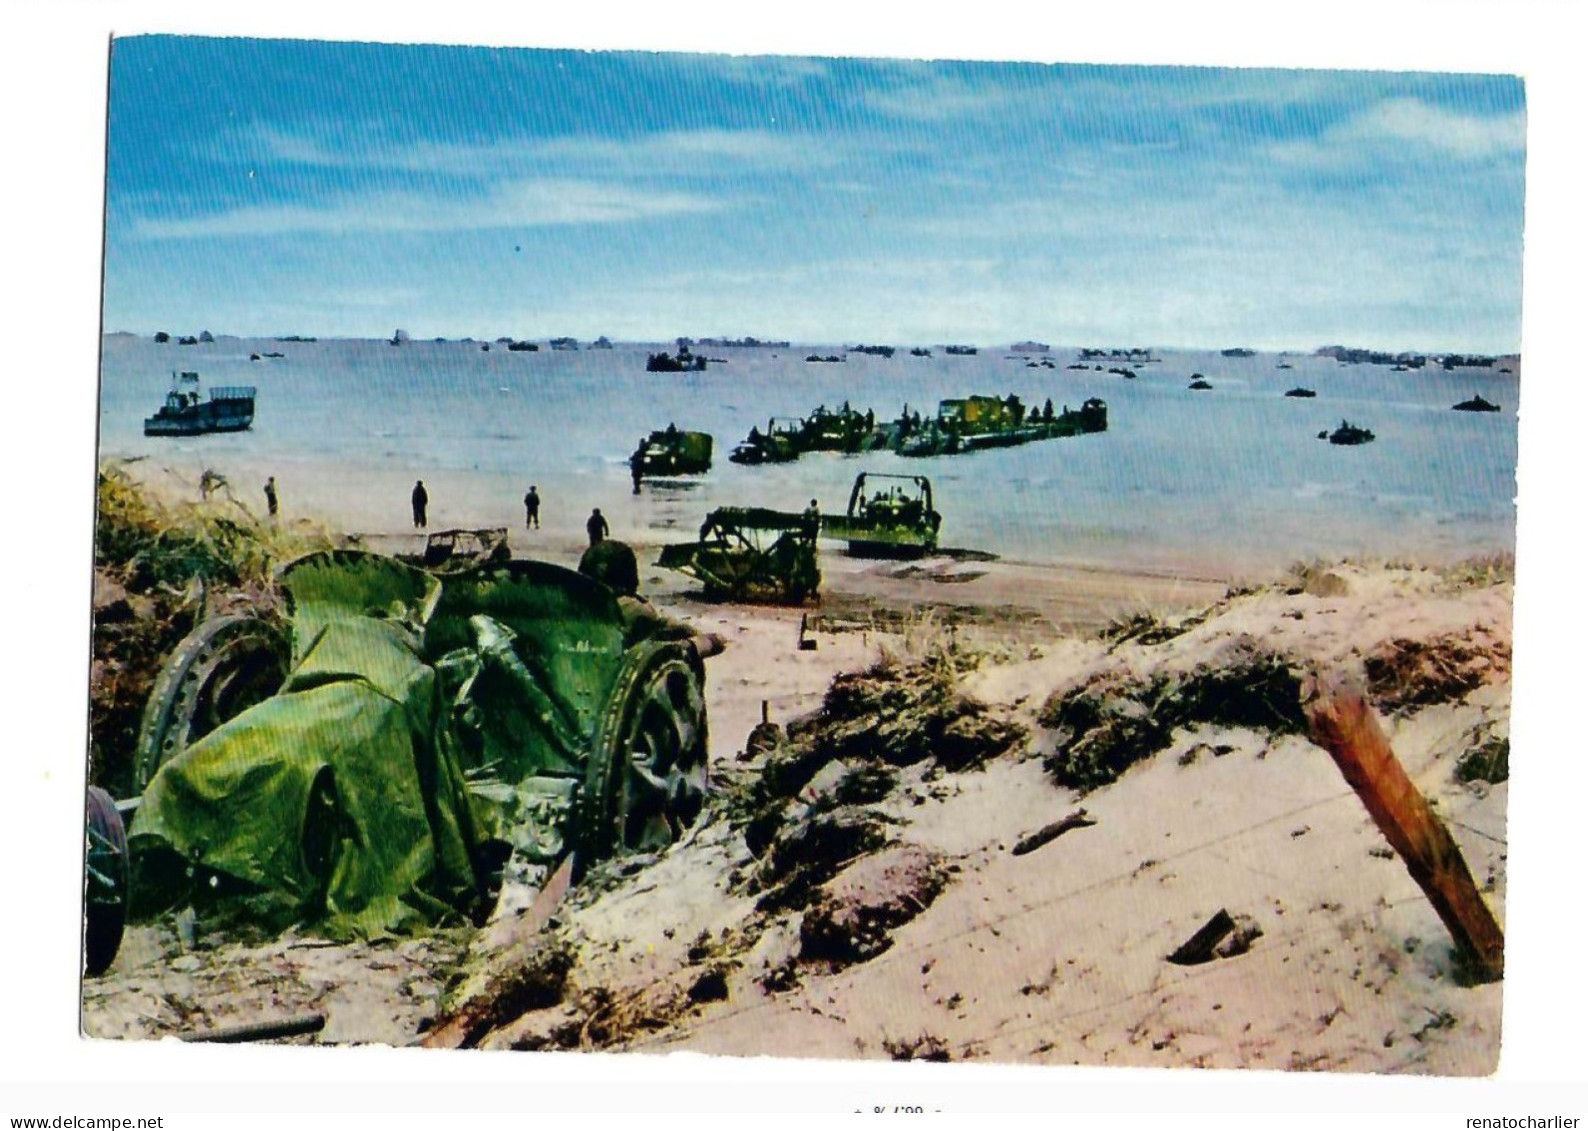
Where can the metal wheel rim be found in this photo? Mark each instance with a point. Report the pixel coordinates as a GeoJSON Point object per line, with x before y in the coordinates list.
{"type": "Point", "coordinates": [219, 670]}
{"type": "Point", "coordinates": [646, 781]}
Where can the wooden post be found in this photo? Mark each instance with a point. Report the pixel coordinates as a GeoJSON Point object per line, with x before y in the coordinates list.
{"type": "Point", "coordinates": [1344, 726]}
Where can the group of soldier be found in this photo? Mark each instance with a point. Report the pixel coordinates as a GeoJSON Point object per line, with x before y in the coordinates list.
{"type": "Point", "coordinates": [595, 526]}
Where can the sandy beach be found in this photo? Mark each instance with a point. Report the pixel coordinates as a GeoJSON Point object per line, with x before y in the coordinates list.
{"type": "Point", "coordinates": [948, 945]}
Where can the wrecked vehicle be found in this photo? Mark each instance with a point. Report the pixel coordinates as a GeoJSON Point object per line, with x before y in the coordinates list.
{"type": "Point", "coordinates": [404, 741]}
{"type": "Point", "coordinates": [897, 521]}
{"type": "Point", "coordinates": [752, 554]}
{"type": "Point", "coordinates": [461, 549]}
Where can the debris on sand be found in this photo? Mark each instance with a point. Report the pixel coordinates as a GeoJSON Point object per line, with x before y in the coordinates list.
{"type": "Point", "coordinates": [536, 979]}
{"type": "Point", "coordinates": [850, 918]}
{"type": "Point", "coordinates": [903, 714]}
{"type": "Point", "coordinates": [1417, 673]}
{"type": "Point", "coordinates": [1222, 936]}
{"type": "Point", "coordinates": [1049, 833]}
{"type": "Point", "coordinates": [1488, 761]}
{"type": "Point", "coordinates": [1115, 720]}
{"type": "Point", "coordinates": [806, 853]}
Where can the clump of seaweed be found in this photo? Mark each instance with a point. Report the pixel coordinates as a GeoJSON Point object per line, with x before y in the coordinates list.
{"type": "Point", "coordinates": [1113, 721]}
{"type": "Point", "coordinates": [901, 714]}
{"type": "Point", "coordinates": [1417, 673]}
{"type": "Point", "coordinates": [1488, 761]}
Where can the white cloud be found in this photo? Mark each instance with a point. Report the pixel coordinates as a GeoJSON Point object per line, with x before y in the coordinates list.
{"type": "Point", "coordinates": [1411, 120]}
{"type": "Point", "coordinates": [938, 98]}
{"type": "Point", "coordinates": [1412, 126]}
{"type": "Point", "coordinates": [670, 152]}
{"type": "Point", "coordinates": [519, 204]}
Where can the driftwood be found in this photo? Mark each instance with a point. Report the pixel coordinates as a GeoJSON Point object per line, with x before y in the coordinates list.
{"type": "Point", "coordinates": [1223, 936]}
{"type": "Point", "coordinates": [1199, 947]}
{"type": "Point", "coordinates": [259, 1030]}
{"type": "Point", "coordinates": [1344, 726]}
{"type": "Point", "coordinates": [1051, 832]}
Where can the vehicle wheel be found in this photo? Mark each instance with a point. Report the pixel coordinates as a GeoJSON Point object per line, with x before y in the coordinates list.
{"type": "Point", "coordinates": [105, 892]}
{"type": "Point", "coordinates": [646, 779]}
{"type": "Point", "coordinates": [220, 669]}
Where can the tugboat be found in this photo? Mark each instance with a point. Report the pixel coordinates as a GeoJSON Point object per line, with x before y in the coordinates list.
{"type": "Point", "coordinates": [1476, 404]}
{"type": "Point", "coordinates": [187, 413]}
{"type": "Point", "coordinates": [1348, 434]}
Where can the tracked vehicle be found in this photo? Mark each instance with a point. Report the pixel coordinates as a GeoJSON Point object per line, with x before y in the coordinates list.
{"type": "Point", "coordinates": [895, 521]}
{"type": "Point", "coordinates": [752, 554]}
{"type": "Point", "coordinates": [971, 424]}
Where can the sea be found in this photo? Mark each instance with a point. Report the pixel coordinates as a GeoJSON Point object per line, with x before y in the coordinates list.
{"type": "Point", "coordinates": [1223, 480]}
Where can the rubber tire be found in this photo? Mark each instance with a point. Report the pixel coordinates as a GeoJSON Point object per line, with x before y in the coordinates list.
{"type": "Point", "coordinates": [105, 888]}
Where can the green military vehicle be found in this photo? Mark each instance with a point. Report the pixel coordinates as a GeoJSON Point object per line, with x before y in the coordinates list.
{"type": "Point", "coordinates": [896, 520]}
{"type": "Point", "coordinates": [782, 442]}
{"type": "Point", "coordinates": [752, 554]}
{"type": "Point", "coordinates": [381, 758]}
{"type": "Point", "coordinates": [670, 452]}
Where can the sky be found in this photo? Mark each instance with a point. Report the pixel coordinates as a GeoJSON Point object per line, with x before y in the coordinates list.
{"type": "Point", "coordinates": [268, 187]}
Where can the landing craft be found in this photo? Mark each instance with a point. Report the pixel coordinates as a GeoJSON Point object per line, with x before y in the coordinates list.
{"type": "Point", "coordinates": [186, 413]}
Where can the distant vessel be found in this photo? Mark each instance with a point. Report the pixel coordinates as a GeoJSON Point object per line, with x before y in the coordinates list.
{"type": "Point", "coordinates": [187, 413]}
{"type": "Point", "coordinates": [960, 351]}
{"type": "Point", "coordinates": [1476, 404]}
{"type": "Point", "coordinates": [1348, 434]}
{"type": "Point", "coordinates": [1301, 391]}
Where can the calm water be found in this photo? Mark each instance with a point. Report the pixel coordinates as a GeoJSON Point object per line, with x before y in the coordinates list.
{"type": "Point", "coordinates": [1205, 479]}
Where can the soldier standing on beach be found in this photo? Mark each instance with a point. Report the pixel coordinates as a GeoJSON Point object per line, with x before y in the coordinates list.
{"type": "Point", "coordinates": [421, 500]}
{"type": "Point", "coordinates": [596, 526]}
{"type": "Point", "coordinates": [270, 495]}
{"type": "Point", "coordinates": [532, 508]}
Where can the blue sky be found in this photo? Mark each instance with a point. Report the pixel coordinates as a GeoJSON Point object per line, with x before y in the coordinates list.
{"type": "Point", "coordinates": [274, 187]}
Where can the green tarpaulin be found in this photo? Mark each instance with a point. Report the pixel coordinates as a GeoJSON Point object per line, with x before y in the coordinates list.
{"type": "Point", "coordinates": [416, 741]}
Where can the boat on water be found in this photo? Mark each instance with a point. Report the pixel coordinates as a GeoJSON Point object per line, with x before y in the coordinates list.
{"type": "Point", "coordinates": [1348, 433]}
{"type": "Point", "coordinates": [187, 413]}
{"type": "Point", "coordinates": [975, 423]}
{"type": "Point", "coordinates": [1476, 404]}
